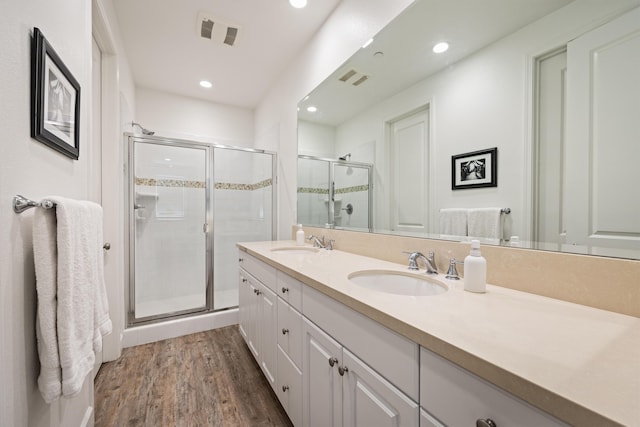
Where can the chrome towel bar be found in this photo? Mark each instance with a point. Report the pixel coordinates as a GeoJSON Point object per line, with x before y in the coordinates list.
{"type": "Point", "coordinates": [21, 204]}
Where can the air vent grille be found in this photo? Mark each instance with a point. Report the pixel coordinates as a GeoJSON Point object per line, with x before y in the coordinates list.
{"type": "Point", "coordinates": [353, 77]}
{"type": "Point", "coordinates": [216, 30]}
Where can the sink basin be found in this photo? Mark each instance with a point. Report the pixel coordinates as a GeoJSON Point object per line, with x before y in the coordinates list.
{"type": "Point", "coordinates": [397, 282]}
{"type": "Point", "coordinates": [295, 250]}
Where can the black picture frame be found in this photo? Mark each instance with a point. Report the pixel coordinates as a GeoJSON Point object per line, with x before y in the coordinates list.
{"type": "Point", "coordinates": [477, 169]}
{"type": "Point", "coordinates": [55, 99]}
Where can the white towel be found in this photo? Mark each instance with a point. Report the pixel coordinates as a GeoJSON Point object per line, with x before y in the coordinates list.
{"type": "Point", "coordinates": [485, 222]}
{"type": "Point", "coordinates": [76, 294]}
{"type": "Point", "coordinates": [45, 256]}
{"type": "Point", "coordinates": [453, 221]}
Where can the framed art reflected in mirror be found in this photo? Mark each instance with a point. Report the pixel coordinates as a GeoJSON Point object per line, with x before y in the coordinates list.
{"type": "Point", "coordinates": [475, 170]}
{"type": "Point", "coordinates": [55, 99]}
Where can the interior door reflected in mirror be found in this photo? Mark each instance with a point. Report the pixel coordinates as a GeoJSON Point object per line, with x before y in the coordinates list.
{"type": "Point", "coordinates": [552, 84]}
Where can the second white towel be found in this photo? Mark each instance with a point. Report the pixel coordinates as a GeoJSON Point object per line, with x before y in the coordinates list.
{"type": "Point", "coordinates": [485, 222]}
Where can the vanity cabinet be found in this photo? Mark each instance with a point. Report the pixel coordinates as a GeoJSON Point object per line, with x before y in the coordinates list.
{"type": "Point", "coordinates": [258, 313]}
{"type": "Point", "coordinates": [456, 397]}
{"type": "Point", "coordinates": [289, 332]}
{"type": "Point", "coordinates": [339, 389]}
{"type": "Point", "coordinates": [331, 365]}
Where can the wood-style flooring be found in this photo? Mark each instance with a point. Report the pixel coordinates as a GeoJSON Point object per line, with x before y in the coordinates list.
{"type": "Point", "coordinates": [205, 379]}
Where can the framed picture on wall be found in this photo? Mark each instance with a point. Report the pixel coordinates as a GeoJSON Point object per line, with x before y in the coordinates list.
{"type": "Point", "coordinates": [55, 99]}
{"type": "Point", "coordinates": [474, 170]}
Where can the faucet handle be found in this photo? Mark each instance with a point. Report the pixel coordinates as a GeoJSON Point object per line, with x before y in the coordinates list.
{"type": "Point", "coordinates": [413, 259]}
{"type": "Point", "coordinates": [452, 273]}
{"type": "Point", "coordinates": [329, 245]}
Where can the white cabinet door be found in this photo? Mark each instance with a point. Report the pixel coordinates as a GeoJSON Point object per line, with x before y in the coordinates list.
{"type": "Point", "coordinates": [249, 311]}
{"type": "Point", "coordinates": [267, 324]}
{"type": "Point", "coordinates": [244, 298]}
{"type": "Point", "coordinates": [370, 400]}
{"type": "Point", "coordinates": [289, 387]}
{"type": "Point", "coordinates": [322, 386]}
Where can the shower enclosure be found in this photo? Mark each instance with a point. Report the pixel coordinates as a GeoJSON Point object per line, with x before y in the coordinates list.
{"type": "Point", "coordinates": [334, 193]}
{"type": "Point", "coordinates": [189, 203]}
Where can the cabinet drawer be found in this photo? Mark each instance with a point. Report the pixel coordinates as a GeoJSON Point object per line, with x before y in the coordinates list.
{"type": "Point", "coordinates": [290, 331]}
{"type": "Point", "coordinates": [258, 269]}
{"type": "Point", "coordinates": [290, 290]}
{"type": "Point", "coordinates": [456, 397]}
{"type": "Point", "coordinates": [389, 353]}
{"type": "Point", "coordinates": [289, 387]}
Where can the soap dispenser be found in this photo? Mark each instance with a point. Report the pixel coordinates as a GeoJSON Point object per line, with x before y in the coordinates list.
{"type": "Point", "coordinates": [475, 270]}
{"type": "Point", "coordinates": [300, 236]}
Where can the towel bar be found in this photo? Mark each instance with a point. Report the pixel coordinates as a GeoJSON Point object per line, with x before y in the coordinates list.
{"type": "Point", "coordinates": [21, 204]}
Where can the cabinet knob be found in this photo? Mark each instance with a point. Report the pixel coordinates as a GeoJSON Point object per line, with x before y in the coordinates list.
{"type": "Point", "coordinates": [258, 292]}
{"type": "Point", "coordinates": [285, 331]}
{"type": "Point", "coordinates": [285, 290]}
{"type": "Point", "coordinates": [240, 259]}
{"type": "Point", "coordinates": [332, 361]}
{"type": "Point", "coordinates": [342, 370]}
{"type": "Point", "coordinates": [485, 423]}
{"type": "Point", "coordinates": [244, 280]}
{"type": "Point", "coordinates": [106, 246]}
{"type": "Point", "coordinates": [285, 388]}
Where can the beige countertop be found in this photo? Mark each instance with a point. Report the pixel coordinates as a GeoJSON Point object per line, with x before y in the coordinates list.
{"type": "Point", "coordinates": [578, 363]}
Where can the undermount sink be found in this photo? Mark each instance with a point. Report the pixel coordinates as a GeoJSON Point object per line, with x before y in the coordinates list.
{"type": "Point", "coordinates": [295, 250]}
{"type": "Point", "coordinates": [397, 282]}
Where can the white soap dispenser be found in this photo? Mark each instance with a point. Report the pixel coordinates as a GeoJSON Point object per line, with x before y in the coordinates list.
{"type": "Point", "coordinates": [300, 236]}
{"type": "Point", "coordinates": [475, 270]}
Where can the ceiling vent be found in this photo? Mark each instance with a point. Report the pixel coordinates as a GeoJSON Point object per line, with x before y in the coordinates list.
{"type": "Point", "coordinates": [353, 77]}
{"type": "Point", "coordinates": [211, 28]}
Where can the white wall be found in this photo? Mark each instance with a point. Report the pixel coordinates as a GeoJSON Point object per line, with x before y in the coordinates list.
{"type": "Point", "coordinates": [34, 170]}
{"type": "Point", "coordinates": [190, 118]}
{"type": "Point", "coordinates": [351, 24]}
{"type": "Point", "coordinates": [30, 168]}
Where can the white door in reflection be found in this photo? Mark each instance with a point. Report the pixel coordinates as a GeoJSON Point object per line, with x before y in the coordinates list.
{"type": "Point", "coordinates": [409, 173]}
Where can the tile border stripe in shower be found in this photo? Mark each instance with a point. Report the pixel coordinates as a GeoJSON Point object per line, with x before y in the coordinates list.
{"type": "Point", "coordinates": [152, 182]}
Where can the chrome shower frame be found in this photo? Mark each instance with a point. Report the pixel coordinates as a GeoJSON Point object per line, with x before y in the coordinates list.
{"type": "Point", "coordinates": [130, 140]}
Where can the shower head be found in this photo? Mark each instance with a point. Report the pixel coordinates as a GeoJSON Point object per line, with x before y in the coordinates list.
{"type": "Point", "coordinates": [345, 157]}
{"type": "Point", "coordinates": [143, 130]}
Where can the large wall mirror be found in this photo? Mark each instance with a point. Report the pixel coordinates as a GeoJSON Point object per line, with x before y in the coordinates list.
{"type": "Point", "coordinates": [544, 93]}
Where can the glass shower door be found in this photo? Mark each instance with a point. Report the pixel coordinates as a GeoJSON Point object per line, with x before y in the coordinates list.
{"type": "Point", "coordinates": [169, 216]}
{"type": "Point", "coordinates": [352, 196]}
{"type": "Point", "coordinates": [313, 191]}
{"type": "Point", "coordinates": [243, 211]}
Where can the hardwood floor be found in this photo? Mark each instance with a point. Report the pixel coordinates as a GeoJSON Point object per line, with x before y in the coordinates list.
{"type": "Point", "coordinates": [205, 379]}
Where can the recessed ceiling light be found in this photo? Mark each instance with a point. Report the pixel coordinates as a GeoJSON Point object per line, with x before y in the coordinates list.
{"type": "Point", "coordinates": [441, 47]}
{"type": "Point", "coordinates": [206, 84]}
{"type": "Point", "coordinates": [298, 4]}
{"type": "Point", "coordinates": [312, 109]}
{"type": "Point", "coordinates": [367, 43]}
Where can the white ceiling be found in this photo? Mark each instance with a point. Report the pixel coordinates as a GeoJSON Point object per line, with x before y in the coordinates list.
{"type": "Point", "coordinates": [166, 53]}
{"type": "Point", "coordinates": [405, 44]}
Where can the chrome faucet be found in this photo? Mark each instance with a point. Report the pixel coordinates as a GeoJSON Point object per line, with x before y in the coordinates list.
{"type": "Point", "coordinates": [317, 243]}
{"type": "Point", "coordinates": [429, 261]}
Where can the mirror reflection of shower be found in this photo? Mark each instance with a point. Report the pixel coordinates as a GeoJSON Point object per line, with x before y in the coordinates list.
{"type": "Point", "coordinates": [335, 193]}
